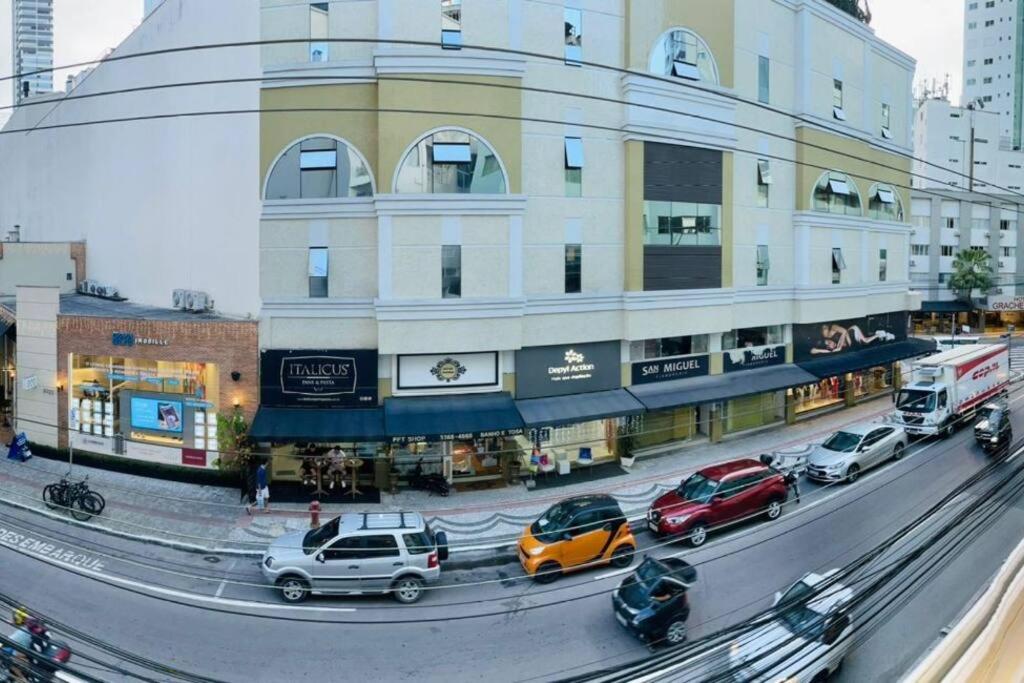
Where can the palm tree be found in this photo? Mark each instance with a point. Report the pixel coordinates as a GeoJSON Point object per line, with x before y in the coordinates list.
{"type": "Point", "coordinates": [971, 271]}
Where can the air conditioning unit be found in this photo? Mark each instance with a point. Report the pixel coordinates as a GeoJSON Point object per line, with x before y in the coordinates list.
{"type": "Point", "coordinates": [178, 298]}
{"type": "Point", "coordinates": [201, 301]}
{"type": "Point", "coordinates": [190, 297]}
{"type": "Point", "coordinates": [107, 292]}
{"type": "Point", "coordinates": [84, 285]}
{"type": "Point", "coordinates": [913, 263]}
{"type": "Point", "coordinates": [988, 235]}
{"type": "Point", "coordinates": [1000, 264]}
{"type": "Point", "coordinates": [956, 233]}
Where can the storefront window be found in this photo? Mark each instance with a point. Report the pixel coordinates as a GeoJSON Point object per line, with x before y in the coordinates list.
{"type": "Point", "coordinates": [752, 336]}
{"type": "Point", "coordinates": [666, 347]}
{"type": "Point", "coordinates": [569, 447]}
{"type": "Point", "coordinates": [751, 412]}
{"type": "Point", "coordinates": [825, 393]}
{"type": "Point", "coordinates": [162, 402]}
{"type": "Point", "coordinates": [872, 381]}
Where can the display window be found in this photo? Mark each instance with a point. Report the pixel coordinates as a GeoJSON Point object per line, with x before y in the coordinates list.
{"type": "Point", "coordinates": [751, 412]}
{"type": "Point", "coordinates": [568, 447]}
{"type": "Point", "coordinates": [161, 402]}
{"type": "Point", "coordinates": [872, 381]}
{"type": "Point", "coordinates": [827, 392]}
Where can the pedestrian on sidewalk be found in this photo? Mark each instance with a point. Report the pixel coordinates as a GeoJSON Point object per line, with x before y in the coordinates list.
{"type": "Point", "coordinates": [793, 483]}
{"type": "Point", "coordinates": [262, 490]}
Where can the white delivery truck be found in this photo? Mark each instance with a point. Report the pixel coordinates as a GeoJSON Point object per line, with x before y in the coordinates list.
{"type": "Point", "coordinates": [945, 389]}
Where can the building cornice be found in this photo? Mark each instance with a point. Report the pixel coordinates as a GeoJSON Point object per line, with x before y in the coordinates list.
{"type": "Point", "coordinates": [447, 309]}
{"type": "Point", "coordinates": [820, 219]}
{"type": "Point", "coordinates": [285, 209]}
{"type": "Point", "coordinates": [450, 205]}
{"type": "Point", "coordinates": [832, 127]}
{"type": "Point", "coordinates": [466, 62]}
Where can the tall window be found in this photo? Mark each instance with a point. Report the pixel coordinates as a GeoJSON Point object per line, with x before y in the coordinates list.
{"type": "Point", "coordinates": [764, 181]}
{"type": "Point", "coordinates": [451, 24]}
{"type": "Point", "coordinates": [682, 223]}
{"type": "Point", "coordinates": [573, 36]}
{"type": "Point", "coordinates": [837, 100]}
{"type": "Point", "coordinates": [836, 193]}
{"type": "Point", "coordinates": [883, 264]}
{"type": "Point", "coordinates": [763, 79]}
{"type": "Point", "coordinates": [752, 336]}
{"type": "Point", "coordinates": [668, 347]}
{"type": "Point", "coordinates": [451, 161]}
{"type": "Point", "coordinates": [884, 203]}
{"type": "Point", "coordinates": [319, 50]}
{"type": "Point", "coordinates": [918, 249]}
{"type": "Point", "coordinates": [838, 265]}
{"type": "Point", "coordinates": [317, 272]}
{"type": "Point", "coordinates": [762, 265]}
{"type": "Point", "coordinates": [451, 271]}
{"type": "Point", "coordinates": [947, 250]}
{"type": "Point", "coordinates": [573, 167]}
{"type": "Point", "coordinates": [319, 168]}
{"type": "Point", "coordinates": [573, 268]}
{"type": "Point", "coordinates": [886, 121]}
{"type": "Point", "coordinates": [683, 54]}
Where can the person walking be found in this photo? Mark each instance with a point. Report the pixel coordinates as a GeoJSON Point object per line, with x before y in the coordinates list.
{"type": "Point", "coordinates": [262, 489]}
{"type": "Point", "coordinates": [793, 484]}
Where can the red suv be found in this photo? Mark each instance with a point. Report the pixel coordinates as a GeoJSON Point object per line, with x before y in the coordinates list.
{"type": "Point", "coordinates": [718, 495]}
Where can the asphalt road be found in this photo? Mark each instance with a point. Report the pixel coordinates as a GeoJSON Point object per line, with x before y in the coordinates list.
{"type": "Point", "coordinates": [212, 615]}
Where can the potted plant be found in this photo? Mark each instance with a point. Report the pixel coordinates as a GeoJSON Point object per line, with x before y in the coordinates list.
{"type": "Point", "coordinates": [624, 446]}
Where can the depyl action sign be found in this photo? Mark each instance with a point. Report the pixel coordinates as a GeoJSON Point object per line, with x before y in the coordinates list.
{"type": "Point", "coordinates": [567, 369]}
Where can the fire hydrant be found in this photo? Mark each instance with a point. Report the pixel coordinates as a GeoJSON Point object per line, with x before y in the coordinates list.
{"type": "Point", "coordinates": [314, 514]}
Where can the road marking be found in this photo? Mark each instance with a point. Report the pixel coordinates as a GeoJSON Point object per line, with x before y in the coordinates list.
{"type": "Point", "coordinates": [49, 551]}
{"type": "Point", "coordinates": [608, 575]}
{"type": "Point", "coordinates": [224, 583]}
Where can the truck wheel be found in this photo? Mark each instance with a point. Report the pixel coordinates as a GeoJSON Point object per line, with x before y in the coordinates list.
{"type": "Point", "coordinates": [947, 431]}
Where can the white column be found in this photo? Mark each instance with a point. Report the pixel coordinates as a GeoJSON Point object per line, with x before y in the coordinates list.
{"type": "Point", "coordinates": [384, 257]}
{"type": "Point", "coordinates": [515, 256]}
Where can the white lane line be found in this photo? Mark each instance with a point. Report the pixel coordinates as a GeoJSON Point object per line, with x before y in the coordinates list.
{"type": "Point", "coordinates": [617, 572]}
{"type": "Point", "coordinates": [224, 583]}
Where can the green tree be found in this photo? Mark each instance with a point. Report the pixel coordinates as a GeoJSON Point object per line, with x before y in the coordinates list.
{"type": "Point", "coordinates": [971, 271]}
{"type": "Point", "coordinates": [233, 439]}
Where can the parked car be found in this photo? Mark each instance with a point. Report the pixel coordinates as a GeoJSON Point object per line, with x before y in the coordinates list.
{"type": "Point", "coordinates": [357, 554]}
{"type": "Point", "coordinates": [576, 533]}
{"type": "Point", "coordinates": [993, 429]}
{"type": "Point", "coordinates": [808, 639]}
{"type": "Point", "coordinates": [850, 451]}
{"type": "Point", "coordinates": [717, 495]}
{"type": "Point", "coordinates": [651, 602]}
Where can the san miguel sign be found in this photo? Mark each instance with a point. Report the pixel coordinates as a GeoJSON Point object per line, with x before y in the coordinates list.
{"type": "Point", "coordinates": [318, 378]}
{"type": "Point", "coordinates": [662, 369]}
{"type": "Point", "coordinates": [753, 357]}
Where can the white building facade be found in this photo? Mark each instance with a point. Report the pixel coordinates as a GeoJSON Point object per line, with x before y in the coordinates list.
{"type": "Point", "coordinates": [992, 63]}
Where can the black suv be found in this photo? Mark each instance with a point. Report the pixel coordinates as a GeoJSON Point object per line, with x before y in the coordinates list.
{"type": "Point", "coordinates": [993, 430]}
{"type": "Point", "coordinates": [651, 603]}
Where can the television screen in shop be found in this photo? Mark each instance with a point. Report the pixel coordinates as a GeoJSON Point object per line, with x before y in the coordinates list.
{"type": "Point", "coordinates": [156, 415]}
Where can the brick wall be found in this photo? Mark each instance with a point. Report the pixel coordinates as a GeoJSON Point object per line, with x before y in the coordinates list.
{"type": "Point", "coordinates": [231, 345]}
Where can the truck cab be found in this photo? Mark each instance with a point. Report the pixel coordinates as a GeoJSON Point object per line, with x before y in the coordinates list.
{"type": "Point", "coordinates": [924, 407]}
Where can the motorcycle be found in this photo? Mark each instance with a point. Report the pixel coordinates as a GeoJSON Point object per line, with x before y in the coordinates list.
{"type": "Point", "coordinates": [433, 482]}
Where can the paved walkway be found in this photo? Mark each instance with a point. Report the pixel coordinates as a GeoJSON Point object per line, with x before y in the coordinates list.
{"type": "Point", "coordinates": [210, 517]}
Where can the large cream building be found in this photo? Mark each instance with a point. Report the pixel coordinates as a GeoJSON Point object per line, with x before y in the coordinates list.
{"type": "Point", "coordinates": [495, 226]}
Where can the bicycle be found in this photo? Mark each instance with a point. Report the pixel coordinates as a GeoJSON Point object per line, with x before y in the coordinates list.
{"type": "Point", "coordinates": [76, 498]}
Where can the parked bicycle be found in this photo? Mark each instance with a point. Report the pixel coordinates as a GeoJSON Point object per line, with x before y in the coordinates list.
{"type": "Point", "coordinates": [74, 497]}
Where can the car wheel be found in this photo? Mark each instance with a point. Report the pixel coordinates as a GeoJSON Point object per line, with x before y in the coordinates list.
{"type": "Point", "coordinates": [897, 452]}
{"type": "Point", "coordinates": [623, 556]}
{"type": "Point", "coordinates": [675, 633]}
{"type": "Point", "coordinates": [820, 677]}
{"type": "Point", "coordinates": [547, 572]}
{"type": "Point", "coordinates": [698, 534]}
{"type": "Point", "coordinates": [293, 589]}
{"type": "Point", "coordinates": [852, 474]}
{"type": "Point", "coordinates": [774, 509]}
{"type": "Point", "coordinates": [408, 589]}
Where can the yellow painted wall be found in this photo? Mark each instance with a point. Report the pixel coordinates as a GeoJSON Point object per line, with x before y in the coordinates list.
{"type": "Point", "coordinates": [834, 152]}
{"type": "Point", "coordinates": [399, 130]}
{"type": "Point", "coordinates": [278, 129]}
{"type": "Point", "coordinates": [713, 20]}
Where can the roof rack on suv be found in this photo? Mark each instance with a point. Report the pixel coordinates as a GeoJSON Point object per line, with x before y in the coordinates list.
{"type": "Point", "coordinates": [385, 520]}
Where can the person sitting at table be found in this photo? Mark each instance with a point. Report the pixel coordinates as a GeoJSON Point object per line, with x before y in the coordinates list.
{"type": "Point", "coordinates": [336, 468]}
{"type": "Point", "coordinates": [308, 475]}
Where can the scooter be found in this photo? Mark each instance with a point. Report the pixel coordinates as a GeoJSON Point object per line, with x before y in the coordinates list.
{"type": "Point", "coordinates": [434, 482]}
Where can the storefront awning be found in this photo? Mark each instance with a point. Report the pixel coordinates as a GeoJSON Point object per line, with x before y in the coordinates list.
{"type": "Point", "coordinates": [838, 364]}
{"type": "Point", "coordinates": [711, 388]}
{"type": "Point", "coordinates": [575, 408]}
{"type": "Point", "coordinates": [945, 306]}
{"type": "Point", "coordinates": [317, 424]}
{"type": "Point", "coordinates": [452, 417]}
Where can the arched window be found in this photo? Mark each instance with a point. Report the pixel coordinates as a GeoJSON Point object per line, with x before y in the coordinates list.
{"type": "Point", "coordinates": [837, 193]}
{"type": "Point", "coordinates": [681, 52]}
{"type": "Point", "coordinates": [884, 203]}
{"type": "Point", "coordinates": [319, 168]}
{"type": "Point", "coordinates": [451, 162]}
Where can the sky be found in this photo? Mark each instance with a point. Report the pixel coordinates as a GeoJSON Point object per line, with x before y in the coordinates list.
{"type": "Point", "coordinates": [931, 31]}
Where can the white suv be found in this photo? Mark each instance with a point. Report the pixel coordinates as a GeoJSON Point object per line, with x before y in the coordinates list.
{"type": "Point", "coordinates": [807, 640]}
{"type": "Point", "coordinates": [358, 554]}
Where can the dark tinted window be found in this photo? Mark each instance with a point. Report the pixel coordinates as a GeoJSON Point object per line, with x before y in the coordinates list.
{"type": "Point", "coordinates": [418, 543]}
{"type": "Point", "coordinates": [346, 548]}
{"type": "Point", "coordinates": [381, 546]}
{"type": "Point", "coordinates": [587, 521]}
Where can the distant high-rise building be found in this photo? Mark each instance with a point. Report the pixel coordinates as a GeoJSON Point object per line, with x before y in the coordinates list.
{"type": "Point", "coordinates": [149, 6]}
{"type": "Point", "coordinates": [33, 47]}
{"type": "Point", "coordinates": [992, 63]}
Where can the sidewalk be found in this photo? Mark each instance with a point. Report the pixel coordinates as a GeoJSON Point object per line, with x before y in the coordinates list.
{"type": "Point", "coordinates": [207, 518]}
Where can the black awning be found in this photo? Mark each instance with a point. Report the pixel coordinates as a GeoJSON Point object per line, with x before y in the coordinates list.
{"type": "Point", "coordinates": [452, 417]}
{"type": "Point", "coordinates": [839, 364]}
{"type": "Point", "coordinates": [710, 388]}
{"type": "Point", "coordinates": [318, 424]}
{"type": "Point", "coordinates": [575, 408]}
{"type": "Point", "coordinates": [945, 307]}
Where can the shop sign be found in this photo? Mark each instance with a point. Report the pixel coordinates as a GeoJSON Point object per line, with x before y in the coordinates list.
{"type": "Point", "coordinates": [567, 369]}
{"type": "Point", "coordinates": [193, 457]}
{"type": "Point", "coordinates": [29, 383]}
{"type": "Point", "coordinates": [816, 340]}
{"type": "Point", "coordinates": [447, 372]}
{"type": "Point", "coordinates": [318, 378]}
{"type": "Point", "coordinates": [463, 436]}
{"type": "Point", "coordinates": [663, 369]}
{"type": "Point", "coordinates": [753, 357]}
{"type": "Point", "coordinates": [129, 339]}
{"type": "Point", "coordinates": [1014, 304]}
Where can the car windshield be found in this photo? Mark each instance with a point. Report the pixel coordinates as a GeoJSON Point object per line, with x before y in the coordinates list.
{"type": "Point", "coordinates": [697, 488]}
{"type": "Point", "coordinates": [797, 617]}
{"type": "Point", "coordinates": [650, 572]}
{"type": "Point", "coordinates": [315, 538]}
{"type": "Point", "coordinates": [916, 401]}
{"type": "Point", "coordinates": [552, 523]}
{"type": "Point", "coordinates": [843, 442]}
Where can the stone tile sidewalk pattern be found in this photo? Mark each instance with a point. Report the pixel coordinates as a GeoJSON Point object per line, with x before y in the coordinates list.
{"type": "Point", "coordinates": [211, 518]}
